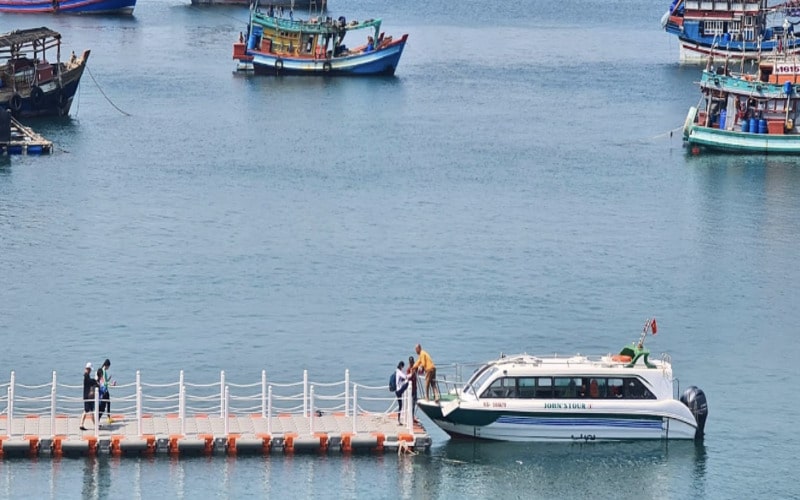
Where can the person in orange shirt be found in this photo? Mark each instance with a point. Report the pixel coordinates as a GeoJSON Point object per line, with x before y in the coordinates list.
{"type": "Point", "coordinates": [425, 362]}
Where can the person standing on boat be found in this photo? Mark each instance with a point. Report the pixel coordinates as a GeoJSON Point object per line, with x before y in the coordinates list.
{"type": "Point", "coordinates": [401, 382]}
{"type": "Point", "coordinates": [425, 362]}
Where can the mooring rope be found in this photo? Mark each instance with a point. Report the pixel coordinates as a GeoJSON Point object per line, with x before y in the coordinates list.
{"type": "Point", "coordinates": [104, 94]}
{"type": "Point", "coordinates": [667, 133]}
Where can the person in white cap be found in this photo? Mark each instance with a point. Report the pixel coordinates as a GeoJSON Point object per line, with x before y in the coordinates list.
{"type": "Point", "coordinates": [89, 385]}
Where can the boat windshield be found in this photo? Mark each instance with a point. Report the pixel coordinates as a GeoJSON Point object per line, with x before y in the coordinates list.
{"type": "Point", "coordinates": [479, 379]}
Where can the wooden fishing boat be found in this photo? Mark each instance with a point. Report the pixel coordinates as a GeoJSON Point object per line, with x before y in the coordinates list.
{"type": "Point", "coordinates": [276, 45]}
{"type": "Point", "coordinates": [30, 83]}
{"type": "Point", "coordinates": [754, 112]}
{"type": "Point", "coordinates": [746, 29]}
{"type": "Point", "coordinates": [68, 6]}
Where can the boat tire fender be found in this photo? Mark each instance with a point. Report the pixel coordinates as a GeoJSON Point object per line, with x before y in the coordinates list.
{"type": "Point", "coordinates": [15, 103]}
{"type": "Point", "coordinates": [326, 66]}
{"type": "Point", "coordinates": [279, 64]}
{"type": "Point", "coordinates": [62, 98]}
{"type": "Point", "coordinates": [36, 95]}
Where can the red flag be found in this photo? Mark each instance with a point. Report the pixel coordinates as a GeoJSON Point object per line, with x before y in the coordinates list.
{"type": "Point", "coordinates": [654, 326]}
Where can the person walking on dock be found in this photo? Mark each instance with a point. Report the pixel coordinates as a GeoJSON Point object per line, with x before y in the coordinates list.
{"type": "Point", "coordinates": [425, 362]}
{"type": "Point", "coordinates": [106, 403]}
{"type": "Point", "coordinates": [103, 389]}
{"type": "Point", "coordinates": [89, 386]}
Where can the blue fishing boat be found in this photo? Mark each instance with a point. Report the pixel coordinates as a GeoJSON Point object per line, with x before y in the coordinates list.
{"type": "Point", "coordinates": [275, 45]}
{"type": "Point", "coordinates": [33, 79]}
{"type": "Point", "coordinates": [745, 29]}
{"type": "Point", "coordinates": [68, 6]}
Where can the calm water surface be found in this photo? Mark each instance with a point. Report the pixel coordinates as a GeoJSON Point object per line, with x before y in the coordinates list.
{"type": "Point", "coordinates": [513, 188]}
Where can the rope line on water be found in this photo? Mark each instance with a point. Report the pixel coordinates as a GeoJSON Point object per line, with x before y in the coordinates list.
{"type": "Point", "coordinates": [667, 133]}
{"type": "Point", "coordinates": [104, 94]}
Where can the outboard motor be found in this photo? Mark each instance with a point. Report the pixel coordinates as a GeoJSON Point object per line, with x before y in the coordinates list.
{"type": "Point", "coordinates": [695, 400]}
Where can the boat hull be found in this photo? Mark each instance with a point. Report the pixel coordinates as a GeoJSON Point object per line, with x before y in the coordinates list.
{"type": "Point", "coordinates": [583, 422]}
{"type": "Point", "coordinates": [121, 7]}
{"type": "Point", "coordinates": [379, 62]}
{"type": "Point", "coordinates": [743, 142]}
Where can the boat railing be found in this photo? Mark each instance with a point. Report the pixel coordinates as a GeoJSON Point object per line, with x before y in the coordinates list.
{"type": "Point", "coordinates": [136, 400]}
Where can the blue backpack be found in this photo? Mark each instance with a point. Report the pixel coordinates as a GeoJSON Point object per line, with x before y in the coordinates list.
{"type": "Point", "coordinates": [393, 382]}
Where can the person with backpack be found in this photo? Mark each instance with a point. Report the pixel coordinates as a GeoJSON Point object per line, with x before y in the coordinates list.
{"type": "Point", "coordinates": [398, 383]}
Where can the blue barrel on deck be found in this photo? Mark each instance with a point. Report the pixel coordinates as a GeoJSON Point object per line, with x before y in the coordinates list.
{"type": "Point", "coordinates": [745, 126]}
{"type": "Point", "coordinates": [723, 114]}
{"type": "Point", "coordinates": [726, 38]}
{"type": "Point", "coordinates": [787, 88]}
{"type": "Point", "coordinates": [753, 126]}
{"type": "Point", "coordinates": [255, 37]}
{"type": "Point", "coordinates": [762, 126]}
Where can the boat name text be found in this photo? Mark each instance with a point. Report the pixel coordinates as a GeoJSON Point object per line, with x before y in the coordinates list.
{"type": "Point", "coordinates": [567, 406]}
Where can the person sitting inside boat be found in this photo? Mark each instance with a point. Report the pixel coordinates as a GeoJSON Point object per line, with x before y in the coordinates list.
{"type": "Point", "coordinates": [370, 44]}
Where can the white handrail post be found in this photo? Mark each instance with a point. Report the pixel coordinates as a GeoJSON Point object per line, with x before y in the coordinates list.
{"type": "Point", "coordinates": [311, 411]}
{"type": "Point", "coordinates": [355, 407]}
{"type": "Point", "coordinates": [182, 402]}
{"type": "Point", "coordinates": [97, 411]}
{"type": "Point", "coordinates": [11, 400]}
{"type": "Point", "coordinates": [409, 410]}
{"type": "Point", "coordinates": [263, 393]}
{"type": "Point", "coordinates": [225, 403]}
{"type": "Point", "coordinates": [10, 410]}
{"type": "Point", "coordinates": [346, 391]}
{"type": "Point", "coordinates": [138, 403]}
{"type": "Point", "coordinates": [182, 409]}
{"type": "Point", "coordinates": [305, 393]}
{"type": "Point", "coordinates": [53, 407]}
{"type": "Point", "coordinates": [222, 394]}
{"type": "Point", "coordinates": [269, 411]}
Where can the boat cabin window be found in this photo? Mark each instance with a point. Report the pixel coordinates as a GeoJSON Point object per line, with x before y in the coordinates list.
{"type": "Point", "coordinates": [476, 382]}
{"type": "Point", "coordinates": [567, 387]}
{"type": "Point", "coordinates": [504, 387]}
{"type": "Point", "coordinates": [562, 387]}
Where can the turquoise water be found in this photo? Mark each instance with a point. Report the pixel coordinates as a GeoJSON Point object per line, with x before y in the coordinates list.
{"type": "Point", "coordinates": [514, 188]}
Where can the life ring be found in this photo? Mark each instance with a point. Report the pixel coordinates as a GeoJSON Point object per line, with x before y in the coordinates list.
{"type": "Point", "coordinates": [621, 358]}
{"type": "Point", "coordinates": [279, 64]}
{"type": "Point", "coordinates": [36, 95]}
{"type": "Point", "coordinates": [15, 103]}
{"type": "Point", "coordinates": [326, 66]}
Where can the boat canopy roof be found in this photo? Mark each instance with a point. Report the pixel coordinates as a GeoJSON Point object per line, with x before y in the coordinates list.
{"type": "Point", "coordinates": [314, 25]}
{"type": "Point", "coordinates": [27, 36]}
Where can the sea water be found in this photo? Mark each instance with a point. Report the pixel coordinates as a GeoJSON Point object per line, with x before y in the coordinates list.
{"type": "Point", "coordinates": [519, 185]}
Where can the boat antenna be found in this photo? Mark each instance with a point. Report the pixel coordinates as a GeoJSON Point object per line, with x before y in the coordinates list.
{"type": "Point", "coordinates": [649, 326]}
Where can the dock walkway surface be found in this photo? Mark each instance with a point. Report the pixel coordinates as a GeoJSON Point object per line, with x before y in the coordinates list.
{"type": "Point", "coordinates": [219, 418]}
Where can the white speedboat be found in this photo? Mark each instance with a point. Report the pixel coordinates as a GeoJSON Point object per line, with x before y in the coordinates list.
{"type": "Point", "coordinates": [625, 396]}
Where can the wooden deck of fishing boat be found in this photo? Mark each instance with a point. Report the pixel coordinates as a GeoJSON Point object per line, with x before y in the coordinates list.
{"type": "Point", "coordinates": [220, 418]}
{"type": "Point", "coordinates": [17, 139]}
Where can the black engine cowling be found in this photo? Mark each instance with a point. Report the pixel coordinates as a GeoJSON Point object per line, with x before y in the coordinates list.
{"type": "Point", "coordinates": [695, 399]}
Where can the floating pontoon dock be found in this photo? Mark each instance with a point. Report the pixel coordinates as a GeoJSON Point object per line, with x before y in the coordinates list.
{"type": "Point", "coordinates": [201, 419]}
{"type": "Point", "coordinates": [21, 140]}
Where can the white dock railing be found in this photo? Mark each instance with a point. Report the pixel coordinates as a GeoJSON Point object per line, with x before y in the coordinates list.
{"type": "Point", "coordinates": [138, 400]}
